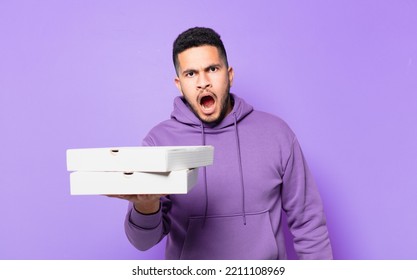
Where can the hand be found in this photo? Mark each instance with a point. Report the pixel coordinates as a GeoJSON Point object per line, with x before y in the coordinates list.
{"type": "Point", "coordinates": [143, 203]}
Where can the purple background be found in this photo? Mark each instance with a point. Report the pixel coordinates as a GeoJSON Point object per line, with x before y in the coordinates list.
{"type": "Point", "coordinates": [76, 74]}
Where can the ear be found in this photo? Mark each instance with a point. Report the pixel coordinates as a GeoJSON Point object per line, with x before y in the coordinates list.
{"type": "Point", "coordinates": [231, 73]}
{"type": "Point", "coordinates": [178, 84]}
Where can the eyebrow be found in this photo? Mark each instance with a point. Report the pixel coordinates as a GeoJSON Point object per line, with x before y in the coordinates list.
{"type": "Point", "coordinates": [189, 70]}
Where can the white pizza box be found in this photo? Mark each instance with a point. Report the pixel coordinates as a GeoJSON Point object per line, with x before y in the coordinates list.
{"type": "Point", "coordinates": [148, 159]}
{"type": "Point", "coordinates": [95, 183]}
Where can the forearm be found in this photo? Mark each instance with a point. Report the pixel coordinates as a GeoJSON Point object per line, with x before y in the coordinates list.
{"type": "Point", "coordinates": [146, 230]}
{"type": "Point", "coordinates": [311, 237]}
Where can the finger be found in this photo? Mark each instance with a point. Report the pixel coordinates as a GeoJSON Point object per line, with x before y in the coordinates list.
{"type": "Point", "coordinates": [120, 196]}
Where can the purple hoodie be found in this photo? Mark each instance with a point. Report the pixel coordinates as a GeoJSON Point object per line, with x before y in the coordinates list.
{"type": "Point", "coordinates": [234, 211]}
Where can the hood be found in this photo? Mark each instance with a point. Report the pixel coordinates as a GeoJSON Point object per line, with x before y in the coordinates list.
{"type": "Point", "coordinates": [183, 114]}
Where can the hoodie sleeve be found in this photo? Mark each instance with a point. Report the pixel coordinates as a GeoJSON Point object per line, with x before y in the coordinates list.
{"type": "Point", "coordinates": [145, 231]}
{"type": "Point", "coordinates": [304, 209]}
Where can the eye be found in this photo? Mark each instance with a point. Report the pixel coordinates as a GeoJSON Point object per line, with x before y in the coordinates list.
{"type": "Point", "coordinates": [213, 69]}
{"type": "Point", "coordinates": [190, 74]}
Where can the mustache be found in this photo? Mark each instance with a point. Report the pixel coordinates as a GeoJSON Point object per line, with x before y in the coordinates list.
{"type": "Point", "coordinates": [205, 93]}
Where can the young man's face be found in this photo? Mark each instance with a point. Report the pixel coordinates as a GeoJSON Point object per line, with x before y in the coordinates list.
{"type": "Point", "coordinates": [204, 80]}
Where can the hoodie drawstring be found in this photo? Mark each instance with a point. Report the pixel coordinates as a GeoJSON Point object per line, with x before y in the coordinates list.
{"type": "Point", "coordinates": [242, 184]}
{"type": "Point", "coordinates": [203, 141]}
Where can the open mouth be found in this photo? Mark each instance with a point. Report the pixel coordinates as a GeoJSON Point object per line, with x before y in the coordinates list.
{"type": "Point", "coordinates": [207, 102]}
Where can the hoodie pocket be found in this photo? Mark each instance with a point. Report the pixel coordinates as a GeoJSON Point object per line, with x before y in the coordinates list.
{"type": "Point", "coordinates": [227, 237]}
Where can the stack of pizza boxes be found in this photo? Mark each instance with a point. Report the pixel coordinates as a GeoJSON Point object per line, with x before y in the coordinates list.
{"type": "Point", "coordinates": [136, 170]}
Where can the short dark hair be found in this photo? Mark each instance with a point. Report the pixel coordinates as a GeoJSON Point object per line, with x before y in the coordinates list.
{"type": "Point", "coordinates": [197, 37]}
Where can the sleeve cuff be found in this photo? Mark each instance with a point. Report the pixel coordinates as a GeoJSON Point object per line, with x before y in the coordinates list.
{"type": "Point", "coordinates": [145, 221]}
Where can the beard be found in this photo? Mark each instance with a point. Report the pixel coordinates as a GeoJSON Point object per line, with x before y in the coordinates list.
{"type": "Point", "coordinates": [225, 102]}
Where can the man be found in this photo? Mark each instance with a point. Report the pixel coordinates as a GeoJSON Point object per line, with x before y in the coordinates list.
{"type": "Point", "coordinates": [234, 211]}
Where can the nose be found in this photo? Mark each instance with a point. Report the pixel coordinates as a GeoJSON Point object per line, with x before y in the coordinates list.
{"type": "Point", "coordinates": [203, 81]}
